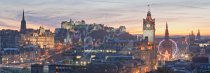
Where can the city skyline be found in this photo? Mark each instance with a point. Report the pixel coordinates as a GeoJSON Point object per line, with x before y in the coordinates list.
{"type": "Point", "coordinates": [104, 36]}
{"type": "Point", "coordinates": [184, 15]}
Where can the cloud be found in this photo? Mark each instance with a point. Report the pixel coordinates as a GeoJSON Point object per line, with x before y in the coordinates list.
{"type": "Point", "coordinates": [3, 24]}
{"type": "Point", "coordinates": [130, 13]}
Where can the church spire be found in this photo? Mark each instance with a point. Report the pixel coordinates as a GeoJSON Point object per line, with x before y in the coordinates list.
{"type": "Point", "coordinates": [192, 33]}
{"type": "Point", "coordinates": [166, 32]}
{"type": "Point", "coordinates": [198, 37]}
{"type": "Point", "coordinates": [23, 17]}
{"type": "Point", "coordinates": [23, 24]}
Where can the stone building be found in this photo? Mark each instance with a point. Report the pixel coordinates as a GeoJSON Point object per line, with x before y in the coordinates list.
{"type": "Point", "coordinates": [42, 37]}
{"type": "Point", "coordinates": [9, 39]}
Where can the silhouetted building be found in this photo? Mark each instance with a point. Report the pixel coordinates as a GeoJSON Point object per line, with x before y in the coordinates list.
{"type": "Point", "coordinates": [198, 37]}
{"type": "Point", "coordinates": [122, 29]}
{"type": "Point", "coordinates": [9, 39]}
{"type": "Point", "coordinates": [65, 69]}
{"type": "Point", "coordinates": [200, 60]}
{"type": "Point", "coordinates": [23, 24]}
{"type": "Point", "coordinates": [201, 64]}
{"type": "Point", "coordinates": [191, 38]}
{"type": "Point", "coordinates": [102, 68]}
{"type": "Point", "coordinates": [166, 32]}
{"type": "Point", "coordinates": [202, 68]}
{"type": "Point", "coordinates": [166, 47]}
{"type": "Point", "coordinates": [37, 68]}
{"type": "Point", "coordinates": [60, 35]}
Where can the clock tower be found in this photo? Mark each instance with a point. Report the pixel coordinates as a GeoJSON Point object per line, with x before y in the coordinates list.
{"type": "Point", "coordinates": [149, 28]}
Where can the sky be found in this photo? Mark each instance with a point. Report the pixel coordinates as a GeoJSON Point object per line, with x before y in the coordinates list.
{"type": "Point", "coordinates": [182, 16]}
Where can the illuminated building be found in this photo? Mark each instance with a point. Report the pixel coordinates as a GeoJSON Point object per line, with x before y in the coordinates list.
{"type": "Point", "coordinates": [67, 25]}
{"type": "Point", "coordinates": [149, 28]}
{"type": "Point", "coordinates": [68, 38]}
{"type": "Point", "coordinates": [122, 29]}
{"type": "Point", "coordinates": [147, 47]}
{"type": "Point", "coordinates": [16, 55]}
{"type": "Point", "coordinates": [41, 37]}
{"type": "Point", "coordinates": [58, 47]}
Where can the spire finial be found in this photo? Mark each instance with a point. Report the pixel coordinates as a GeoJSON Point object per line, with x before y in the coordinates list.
{"type": "Point", "coordinates": [148, 5]}
{"type": "Point", "coordinates": [23, 24]}
{"type": "Point", "coordinates": [166, 32]}
{"type": "Point", "coordinates": [192, 33]}
{"type": "Point", "coordinates": [198, 32]}
{"type": "Point", "coordinates": [23, 17]}
{"type": "Point", "coordinates": [198, 37]}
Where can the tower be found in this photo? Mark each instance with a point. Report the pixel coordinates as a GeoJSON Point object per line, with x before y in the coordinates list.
{"type": "Point", "coordinates": [192, 37]}
{"type": "Point", "coordinates": [166, 47]}
{"type": "Point", "coordinates": [149, 28]}
{"type": "Point", "coordinates": [198, 37]}
{"type": "Point", "coordinates": [23, 24]}
{"type": "Point", "coordinates": [166, 32]}
{"type": "Point", "coordinates": [148, 51]}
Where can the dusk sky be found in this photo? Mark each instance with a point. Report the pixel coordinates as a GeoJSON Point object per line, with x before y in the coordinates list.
{"type": "Point", "coordinates": [182, 15]}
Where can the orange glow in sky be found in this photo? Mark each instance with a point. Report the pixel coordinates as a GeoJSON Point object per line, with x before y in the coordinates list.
{"type": "Point", "coordinates": [182, 16]}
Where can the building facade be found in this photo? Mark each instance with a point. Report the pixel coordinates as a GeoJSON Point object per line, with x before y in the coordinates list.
{"type": "Point", "coordinates": [9, 39]}
{"type": "Point", "coordinates": [37, 68]}
{"type": "Point", "coordinates": [67, 25]}
{"type": "Point", "coordinates": [44, 38]}
{"type": "Point", "coordinates": [148, 51]}
{"type": "Point", "coordinates": [149, 28]}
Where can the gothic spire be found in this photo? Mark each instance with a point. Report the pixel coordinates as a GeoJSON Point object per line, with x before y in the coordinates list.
{"type": "Point", "coordinates": [23, 17]}
{"type": "Point", "coordinates": [198, 32]}
{"type": "Point", "coordinates": [192, 33]}
{"type": "Point", "coordinates": [198, 37]}
{"type": "Point", "coordinates": [23, 24]}
{"type": "Point", "coordinates": [166, 32]}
